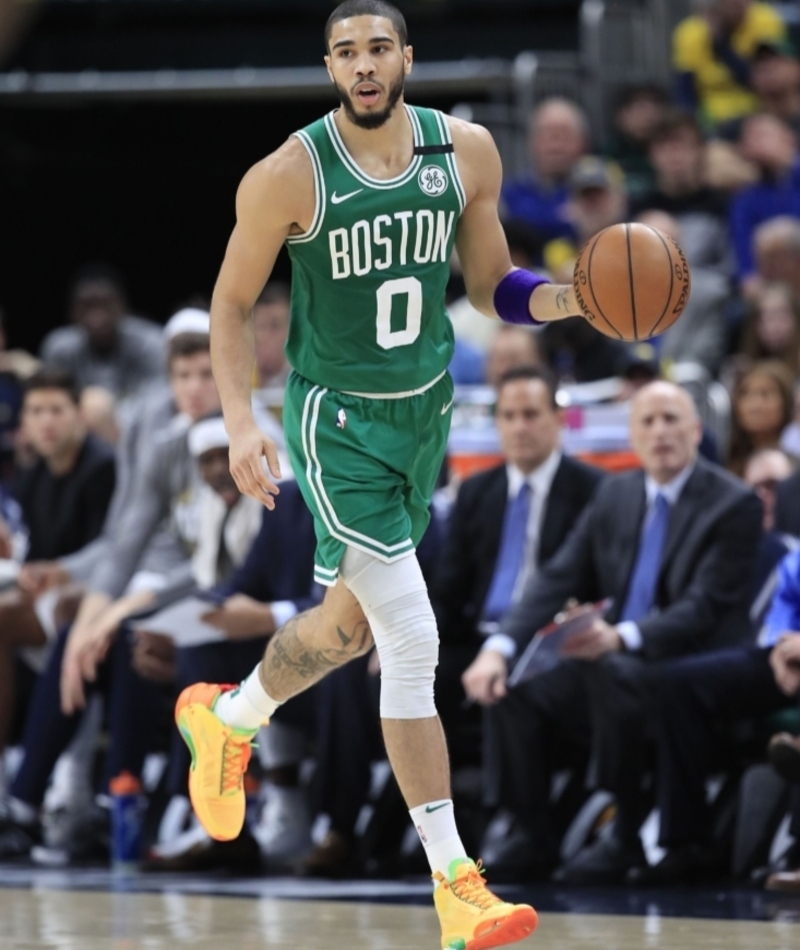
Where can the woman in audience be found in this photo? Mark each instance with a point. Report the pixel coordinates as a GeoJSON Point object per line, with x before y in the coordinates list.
{"type": "Point", "coordinates": [762, 408]}
{"type": "Point", "coordinates": [772, 328]}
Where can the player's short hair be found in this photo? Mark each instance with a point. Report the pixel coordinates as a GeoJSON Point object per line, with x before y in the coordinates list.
{"type": "Point", "coordinates": [187, 344]}
{"type": "Point", "coordinates": [540, 373]}
{"type": "Point", "coordinates": [48, 377]}
{"type": "Point", "coordinates": [368, 8]}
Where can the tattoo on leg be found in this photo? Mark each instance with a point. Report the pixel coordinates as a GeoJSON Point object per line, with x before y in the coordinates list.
{"type": "Point", "coordinates": [295, 663]}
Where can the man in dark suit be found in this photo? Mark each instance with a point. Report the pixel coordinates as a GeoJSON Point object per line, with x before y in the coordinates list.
{"type": "Point", "coordinates": [480, 572]}
{"type": "Point", "coordinates": [674, 547]}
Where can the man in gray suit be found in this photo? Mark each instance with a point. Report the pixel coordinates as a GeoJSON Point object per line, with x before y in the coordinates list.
{"type": "Point", "coordinates": [674, 547]}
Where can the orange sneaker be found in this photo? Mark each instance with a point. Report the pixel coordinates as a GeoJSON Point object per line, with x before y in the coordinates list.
{"type": "Point", "coordinates": [473, 918]}
{"type": "Point", "coordinates": [220, 755]}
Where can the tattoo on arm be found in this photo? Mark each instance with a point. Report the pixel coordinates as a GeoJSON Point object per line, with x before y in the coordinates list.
{"type": "Point", "coordinates": [562, 300]}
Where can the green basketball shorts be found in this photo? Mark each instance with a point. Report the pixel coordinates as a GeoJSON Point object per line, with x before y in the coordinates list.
{"type": "Point", "coordinates": [366, 467]}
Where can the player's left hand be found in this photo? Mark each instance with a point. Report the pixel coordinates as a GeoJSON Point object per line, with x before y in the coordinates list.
{"type": "Point", "coordinates": [593, 642]}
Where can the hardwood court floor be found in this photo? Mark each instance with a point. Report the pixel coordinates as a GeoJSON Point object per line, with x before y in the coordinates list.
{"type": "Point", "coordinates": [43, 919]}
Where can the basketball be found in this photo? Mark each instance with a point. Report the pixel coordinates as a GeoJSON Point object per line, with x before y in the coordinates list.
{"type": "Point", "coordinates": [631, 281]}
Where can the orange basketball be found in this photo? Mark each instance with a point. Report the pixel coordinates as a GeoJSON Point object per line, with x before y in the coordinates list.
{"type": "Point", "coordinates": [632, 281]}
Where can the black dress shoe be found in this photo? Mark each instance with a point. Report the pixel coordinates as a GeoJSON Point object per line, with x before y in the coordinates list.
{"type": "Point", "coordinates": [687, 864]}
{"type": "Point", "coordinates": [605, 861]}
{"type": "Point", "coordinates": [784, 754]}
{"type": "Point", "coordinates": [516, 858]}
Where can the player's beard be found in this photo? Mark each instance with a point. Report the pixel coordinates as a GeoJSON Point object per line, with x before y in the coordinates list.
{"type": "Point", "coordinates": [372, 120]}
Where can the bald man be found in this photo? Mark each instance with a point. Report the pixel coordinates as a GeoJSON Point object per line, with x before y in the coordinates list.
{"type": "Point", "coordinates": [673, 546]}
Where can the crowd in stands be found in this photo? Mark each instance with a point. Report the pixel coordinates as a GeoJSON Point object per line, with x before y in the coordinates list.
{"type": "Point", "coordinates": [131, 566]}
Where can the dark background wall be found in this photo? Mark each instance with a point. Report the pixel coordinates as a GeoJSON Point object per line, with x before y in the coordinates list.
{"type": "Point", "coordinates": [150, 186]}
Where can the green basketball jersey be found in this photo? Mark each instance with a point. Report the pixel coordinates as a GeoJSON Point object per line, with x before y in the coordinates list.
{"type": "Point", "coordinates": [369, 275]}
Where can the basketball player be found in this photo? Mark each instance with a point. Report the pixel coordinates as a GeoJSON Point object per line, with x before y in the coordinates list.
{"type": "Point", "coordinates": [369, 201]}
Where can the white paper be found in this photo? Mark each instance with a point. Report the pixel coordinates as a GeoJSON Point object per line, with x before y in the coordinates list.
{"type": "Point", "coordinates": [9, 572]}
{"type": "Point", "coordinates": [182, 623]}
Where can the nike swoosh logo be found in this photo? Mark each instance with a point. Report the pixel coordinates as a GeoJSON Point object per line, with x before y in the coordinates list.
{"type": "Point", "coordinates": [428, 808]}
{"type": "Point", "coordinates": [338, 199]}
{"type": "Point", "coordinates": [447, 405]}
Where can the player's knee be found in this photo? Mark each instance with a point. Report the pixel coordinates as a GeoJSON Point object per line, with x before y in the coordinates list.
{"type": "Point", "coordinates": [396, 604]}
{"type": "Point", "coordinates": [409, 657]}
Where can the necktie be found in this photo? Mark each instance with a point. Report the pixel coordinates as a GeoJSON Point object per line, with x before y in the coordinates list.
{"type": "Point", "coordinates": [224, 565]}
{"type": "Point", "coordinates": [642, 587]}
{"type": "Point", "coordinates": [511, 555]}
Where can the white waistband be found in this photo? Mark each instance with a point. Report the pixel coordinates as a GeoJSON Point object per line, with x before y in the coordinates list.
{"type": "Point", "coordinates": [410, 392]}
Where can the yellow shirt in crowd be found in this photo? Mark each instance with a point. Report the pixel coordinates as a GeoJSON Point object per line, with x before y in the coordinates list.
{"type": "Point", "coordinates": [721, 97]}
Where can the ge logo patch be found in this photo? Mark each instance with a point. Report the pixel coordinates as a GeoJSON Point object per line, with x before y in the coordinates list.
{"type": "Point", "coordinates": [432, 180]}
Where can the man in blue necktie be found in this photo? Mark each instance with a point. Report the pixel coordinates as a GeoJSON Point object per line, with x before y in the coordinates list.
{"type": "Point", "coordinates": [673, 546]}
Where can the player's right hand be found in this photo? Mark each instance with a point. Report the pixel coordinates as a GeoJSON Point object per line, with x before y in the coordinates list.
{"type": "Point", "coordinates": [247, 449]}
{"type": "Point", "coordinates": [485, 680]}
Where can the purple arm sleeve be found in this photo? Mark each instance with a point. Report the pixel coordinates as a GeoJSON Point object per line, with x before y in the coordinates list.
{"type": "Point", "coordinates": [513, 294]}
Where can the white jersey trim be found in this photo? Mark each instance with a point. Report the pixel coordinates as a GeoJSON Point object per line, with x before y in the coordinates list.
{"type": "Point", "coordinates": [362, 176]}
{"type": "Point", "coordinates": [319, 192]}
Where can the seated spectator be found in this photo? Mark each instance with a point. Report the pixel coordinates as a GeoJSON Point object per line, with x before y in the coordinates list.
{"type": "Point", "coordinates": [63, 499]}
{"type": "Point", "coordinates": [105, 346]}
{"type": "Point", "coordinates": [772, 328]}
{"type": "Point", "coordinates": [775, 78]}
{"type": "Point", "coordinates": [764, 471]}
{"type": "Point", "coordinates": [165, 489]}
{"type": "Point", "coordinates": [474, 584]}
{"type": "Point", "coordinates": [674, 547]}
{"type": "Point", "coordinates": [770, 145]}
{"type": "Point", "coordinates": [639, 108]}
{"type": "Point", "coordinates": [790, 438]}
{"type": "Point", "coordinates": [761, 410]}
{"type": "Point", "coordinates": [512, 347]}
{"type": "Point", "coordinates": [597, 200]}
{"type": "Point", "coordinates": [557, 137]}
{"type": "Point", "coordinates": [691, 695]}
{"type": "Point", "coordinates": [677, 152]}
{"type": "Point", "coordinates": [776, 247]}
{"type": "Point", "coordinates": [712, 53]}
{"type": "Point", "coordinates": [700, 334]}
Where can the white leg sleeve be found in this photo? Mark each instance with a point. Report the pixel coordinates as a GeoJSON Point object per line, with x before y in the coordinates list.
{"type": "Point", "coordinates": [395, 599]}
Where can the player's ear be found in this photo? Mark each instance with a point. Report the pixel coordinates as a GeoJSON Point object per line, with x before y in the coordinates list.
{"type": "Point", "coordinates": [408, 58]}
{"type": "Point", "coordinates": [327, 60]}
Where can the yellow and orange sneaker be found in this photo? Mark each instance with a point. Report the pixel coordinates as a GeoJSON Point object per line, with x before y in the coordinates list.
{"type": "Point", "coordinates": [220, 755]}
{"type": "Point", "coordinates": [473, 918]}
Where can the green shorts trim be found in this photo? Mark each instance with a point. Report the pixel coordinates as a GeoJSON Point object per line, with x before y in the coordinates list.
{"type": "Point", "coordinates": [367, 468]}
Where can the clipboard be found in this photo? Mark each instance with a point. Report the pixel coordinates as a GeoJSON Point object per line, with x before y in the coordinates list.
{"type": "Point", "coordinates": [545, 649]}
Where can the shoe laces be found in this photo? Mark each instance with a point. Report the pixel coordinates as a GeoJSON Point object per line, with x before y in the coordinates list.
{"type": "Point", "coordinates": [471, 888]}
{"type": "Point", "coordinates": [235, 758]}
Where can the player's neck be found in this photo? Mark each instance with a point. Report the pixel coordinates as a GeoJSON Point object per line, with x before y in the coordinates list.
{"type": "Point", "coordinates": [385, 152]}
